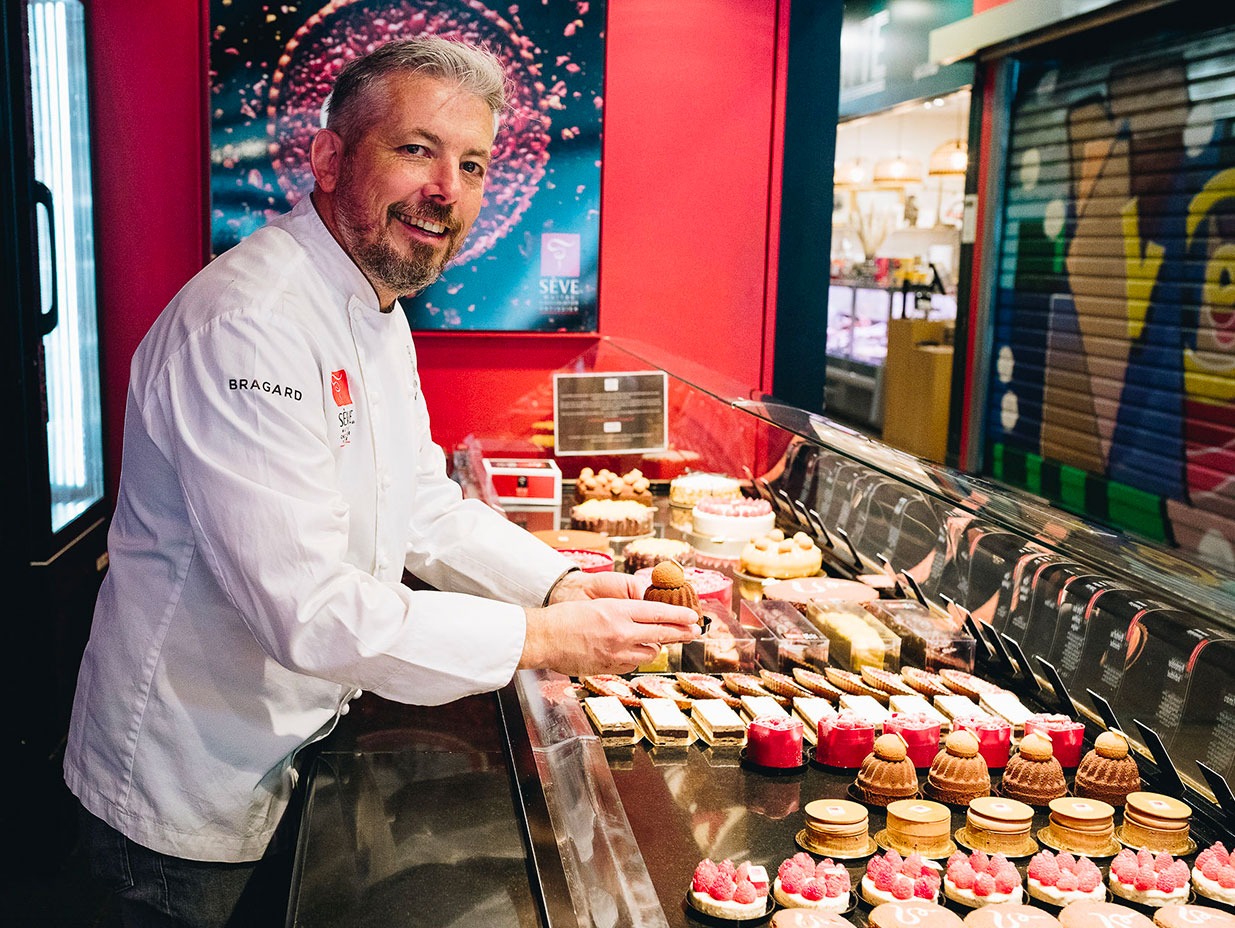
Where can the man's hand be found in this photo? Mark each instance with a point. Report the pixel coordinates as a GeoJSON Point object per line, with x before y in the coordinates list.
{"type": "Point", "coordinates": [580, 585]}
{"type": "Point", "coordinates": [584, 635]}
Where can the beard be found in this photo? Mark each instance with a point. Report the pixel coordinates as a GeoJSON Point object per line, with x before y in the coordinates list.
{"type": "Point", "coordinates": [373, 248]}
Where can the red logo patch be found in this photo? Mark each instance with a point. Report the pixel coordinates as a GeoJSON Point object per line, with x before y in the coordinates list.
{"type": "Point", "coordinates": [338, 388]}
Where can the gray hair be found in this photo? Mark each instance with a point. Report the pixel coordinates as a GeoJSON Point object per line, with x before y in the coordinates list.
{"type": "Point", "coordinates": [474, 69]}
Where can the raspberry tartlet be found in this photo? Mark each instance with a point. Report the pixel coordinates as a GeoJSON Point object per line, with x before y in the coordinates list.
{"type": "Point", "coordinates": [728, 891]}
{"type": "Point", "coordinates": [1058, 879]}
{"type": "Point", "coordinates": [803, 884]}
{"type": "Point", "coordinates": [1148, 878]}
{"type": "Point", "coordinates": [975, 880]}
{"type": "Point", "coordinates": [1213, 874]}
{"type": "Point", "coordinates": [892, 878]}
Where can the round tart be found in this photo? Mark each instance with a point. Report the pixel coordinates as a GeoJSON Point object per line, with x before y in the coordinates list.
{"type": "Point", "coordinates": [1149, 879]}
{"type": "Point", "coordinates": [745, 684]}
{"type": "Point", "coordinates": [918, 825]}
{"type": "Point", "coordinates": [1058, 879]}
{"type": "Point", "coordinates": [657, 687]}
{"type": "Point", "coordinates": [1157, 823]}
{"type": "Point", "coordinates": [890, 878]}
{"type": "Point", "coordinates": [705, 686]}
{"type": "Point", "coordinates": [648, 552]}
{"type": "Point", "coordinates": [726, 891]}
{"type": "Point", "coordinates": [975, 880]}
{"type": "Point", "coordinates": [817, 683]}
{"type": "Point", "coordinates": [925, 682]}
{"type": "Point", "coordinates": [998, 826]}
{"type": "Point", "coordinates": [607, 684]}
{"type": "Point", "coordinates": [966, 683]}
{"type": "Point", "coordinates": [779, 558]}
{"type": "Point", "coordinates": [801, 883]}
{"type": "Point", "coordinates": [621, 517]}
{"type": "Point", "coordinates": [852, 684]}
{"type": "Point", "coordinates": [1213, 874]}
{"type": "Point", "coordinates": [886, 681]}
{"type": "Point", "coordinates": [782, 684]}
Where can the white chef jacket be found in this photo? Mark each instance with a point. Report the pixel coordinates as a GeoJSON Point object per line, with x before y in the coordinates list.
{"type": "Point", "coordinates": [278, 475]}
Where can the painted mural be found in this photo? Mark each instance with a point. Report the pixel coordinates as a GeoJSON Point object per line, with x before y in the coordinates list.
{"type": "Point", "coordinates": [1113, 384]}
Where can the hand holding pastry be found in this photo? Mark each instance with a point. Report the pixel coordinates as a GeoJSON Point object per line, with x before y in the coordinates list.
{"type": "Point", "coordinates": [602, 635]}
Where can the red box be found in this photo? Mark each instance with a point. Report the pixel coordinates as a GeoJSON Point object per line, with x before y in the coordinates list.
{"type": "Point", "coordinates": [525, 481]}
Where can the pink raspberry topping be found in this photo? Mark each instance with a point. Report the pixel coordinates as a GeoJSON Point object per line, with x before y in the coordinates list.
{"type": "Point", "coordinates": [793, 881]}
{"type": "Point", "coordinates": [1006, 881]}
{"type": "Point", "coordinates": [1067, 882]}
{"type": "Point", "coordinates": [1065, 860]}
{"type": "Point", "coordinates": [1163, 862]}
{"type": "Point", "coordinates": [1211, 868]}
{"type": "Point", "coordinates": [722, 887]}
{"type": "Point", "coordinates": [1088, 881]}
{"type": "Point", "coordinates": [963, 876]}
{"type": "Point", "coordinates": [1226, 879]}
{"type": "Point", "coordinates": [728, 869]}
{"type": "Point", "coordinates": [836, 884]}
{"type": "Point", "coordinates": [745, 893]}
{"type": "Point", "coordinates": [924, 890]}
{"type": "Point", "coordinates": [957, 857]}
{"type": "Point", "coordinates": [1166, 881]}
{"type": "Point", "coordinates": [984, 885]}
{"type": "Point", "coordinates": [813, 890]}
{"type": "Point", "coordinates": [1146, 878]}
{"type": "Point", "coordinates": [884, 878]}
{"type": "Point", "coordinates": [913, 865]}
{"type": "Point", "coordinates": [979, 861]}
{"type": "Point", "coordinates": [902, 887]}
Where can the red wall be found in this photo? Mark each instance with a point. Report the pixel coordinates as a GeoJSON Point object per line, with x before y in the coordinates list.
{"type": "Point", "coordinates": [692, 121]}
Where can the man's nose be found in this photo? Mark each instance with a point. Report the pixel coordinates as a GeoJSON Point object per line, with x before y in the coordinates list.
{"type": "Point", "coordinates": [444, 183]}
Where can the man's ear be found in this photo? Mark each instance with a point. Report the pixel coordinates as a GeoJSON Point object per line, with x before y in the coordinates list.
{"type": "Point", "coordinates": [325, 156]}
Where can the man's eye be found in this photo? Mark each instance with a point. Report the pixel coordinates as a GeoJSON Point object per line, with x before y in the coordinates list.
{"type": "Point", "coordinates": [473, 167]}
{"type": "Point", "coordinates": [414, 149]}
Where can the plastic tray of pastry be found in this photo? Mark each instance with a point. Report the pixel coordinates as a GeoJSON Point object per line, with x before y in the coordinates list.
{"type": "Point", "coordinates": [856, 639]}
{"type": "Point", "coordinates": [926, 639]}
{"type": "Point", "coordinates": [725, 647]}
{"type": "Point", "coordinates": [784, 637]}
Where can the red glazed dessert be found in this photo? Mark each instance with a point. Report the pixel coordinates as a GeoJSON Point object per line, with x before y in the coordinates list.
{"type": "Point", "coordinates": [711, 585]}
{"type": "Point", "coordinates": [1067, 736]}
{"type": "Point", "coordinates": [994, 738]}
{"type": "Point", "coordinates": [774, 741]}
{"type": "Point", "coordinates": [590, 562]}
{"type": "Point", "coordinates": [844, 740]}
{"type": "Point", "coordinates": [921, 734]}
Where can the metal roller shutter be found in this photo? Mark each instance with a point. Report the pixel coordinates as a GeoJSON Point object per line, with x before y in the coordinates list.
{"type": "Point", "coordinates": [1112, 383]}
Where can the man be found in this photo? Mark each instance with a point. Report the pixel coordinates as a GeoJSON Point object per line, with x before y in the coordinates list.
{"type": "Point", "coordinates": [278, 476]}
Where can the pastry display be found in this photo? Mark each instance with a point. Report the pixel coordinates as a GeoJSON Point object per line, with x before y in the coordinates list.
{"type": "Point", "coordinates": [776, 557]}
{"type": "Point", "coordinates": [664, 722]}
{"type": "Point", "coordinates": [1010, 915]}
{"type": "Point", "coordinates": [605, 484]}
{"type": "Point", "coordinates": [996, 825]}
{"type": "Point", "coordinates": [590, 562]}
{"type": "Point", "coordinates": [866, 708]}
{"type": "Point", "coordinates": [689, 489]}
{"type": "Point", "coordinates": [610, 719]}
{"type": "Point", "coordinates": [929, 639]}
{"type": "Point", "coordinates": [1149, 879]}
{"type": "Point", "coordinates": [1192, 916]}
{"type": "Point", "coordinates": [716, 517]}
{"type": "Point", "coordinates": [813, 710]}
{"type": "Point", "coordinates": [620, 517]}
{"type": "Point", "coordinates": [887, 773]}
{"type": "Point", "coordinates": [916, 914]}
{"type": "Point", "coordinates": [802, 591]}
{"type": "Point", "coordinates": [924, 681]}
{"type": "Point", "coordinates": [1101, 915]}
{"type": "Point", "coordinates": [852, 683]}
{"type": "Point", "coordinates": [802, 883]}
{"type": "Point", "coordinates": [1067, 736]}
{"type": "Point", "coordinates": [1058, 879]}
{"type": "Point", "coordinates": [844, 740]}
{"type": "Point", "coordinates": [836, 828]}
{"type": "Point", "coordinates": [717, 722]}
{"type": "Point", "coordinates": [817, 683]}
{"type": "Point", "coordinates": [608, 684]}
{"type": "Point", "coordinates": [648, 552]}
{"type": "Point", "coordinates": [1081, 826]}
{"type": "Point", "coordinates": [886, 682]}
{"type": "Point", "coordinates": [1033, 775]}
{"type": "Point", "coordinates": [917, 704]}
{"type": "Point", "coordinates": [918, 825]}
{"type": "Point", "coordinates": [1006, 706]}
{"type": "Point", "coordinates": [976, 879]}
{"type": "Point", "coordinates": [654, 686]}
{"type": "Point", "coordinates": [726, 891]}
{"type": "Point", "coordinates": [774, 741]}
{"type": "Point", "coordinates": [1213, 874]}
{"type": "Point", "coordinates": [890, 877]}
{"type": "Point", "coordinates": [919, 731]}
{"type": "Point", "coordinates": [714, 589]}
{"type": "Point", "coordinates": [958, 773]}
{"type": "Point", "coordinates": [1109, 771]}
{"type": "Point", "coordinates": [855, 637]}
{"type": "Point", "coordinates": [994, 737]}
{"type": "Point", "coordinates": [562, 539]}
{"type": "Point", "coordinates": [706, 686]}
{"type": "Point", "coordinates": [670, 586]}
{"type": "Point", "coordinates": [1156, 822]}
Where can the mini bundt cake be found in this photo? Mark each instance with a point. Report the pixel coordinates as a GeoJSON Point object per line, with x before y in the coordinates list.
{"type": "Point", "coordinates": [958, 773]}
{"type": "Point", "coordinates": [887, 773]}
{"type": "Point", "coordinates": [1109, 771]}
{"type": "Point", "coordinates": [1033, 774]}
{"type": "Point", "coordinates": [670, 586]}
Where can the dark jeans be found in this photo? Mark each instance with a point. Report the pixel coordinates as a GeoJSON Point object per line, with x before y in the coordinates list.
{"type": "Point", "coordinates": [159, 891]}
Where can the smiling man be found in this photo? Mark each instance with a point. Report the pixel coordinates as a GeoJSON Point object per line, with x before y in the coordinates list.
{"type": "Point", "coordinates": [278, 476]}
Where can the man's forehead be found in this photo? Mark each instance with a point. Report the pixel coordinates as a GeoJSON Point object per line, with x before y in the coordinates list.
{"type": "Point", "coordinates": [419, 100]}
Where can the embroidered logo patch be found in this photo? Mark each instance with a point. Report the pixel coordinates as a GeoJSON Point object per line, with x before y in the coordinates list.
{"type": "Point", "coordinates": [338, 388]}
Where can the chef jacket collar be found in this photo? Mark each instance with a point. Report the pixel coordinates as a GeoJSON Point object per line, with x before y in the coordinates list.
{"type": "Point", "coordinates": [337, 266]}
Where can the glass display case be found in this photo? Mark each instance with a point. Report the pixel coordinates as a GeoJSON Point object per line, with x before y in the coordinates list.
{"type": "Point", "coordinates": [1070, 617]}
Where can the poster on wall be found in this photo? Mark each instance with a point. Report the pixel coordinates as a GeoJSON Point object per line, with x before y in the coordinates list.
{"type": "Point", "coordinates": [530, 263]}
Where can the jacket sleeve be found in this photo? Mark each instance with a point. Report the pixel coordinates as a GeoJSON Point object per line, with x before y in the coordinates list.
{"type": "Point", "coordinates": [260, 489]}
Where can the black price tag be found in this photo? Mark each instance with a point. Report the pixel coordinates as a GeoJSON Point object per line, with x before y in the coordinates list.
{"type": "Point", "coordinates": [610, 413]}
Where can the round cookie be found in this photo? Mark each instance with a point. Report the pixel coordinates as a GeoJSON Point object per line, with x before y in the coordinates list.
{"type": "Point", "coordinates": [915, 914]}
{"type": "Point", "coordinates": [1192, 916]}
{"type": "Point", "coordinates": [1010, 915]}
{"type": "Point", "coordinates": [1101, 915]}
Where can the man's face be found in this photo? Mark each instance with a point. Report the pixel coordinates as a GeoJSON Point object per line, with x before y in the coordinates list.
{"type": "Point", "coordinates": [410, 186]}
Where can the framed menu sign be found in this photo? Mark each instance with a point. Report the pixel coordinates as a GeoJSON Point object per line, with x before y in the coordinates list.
{"type": "Point", "coordinates": [610, 413]}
